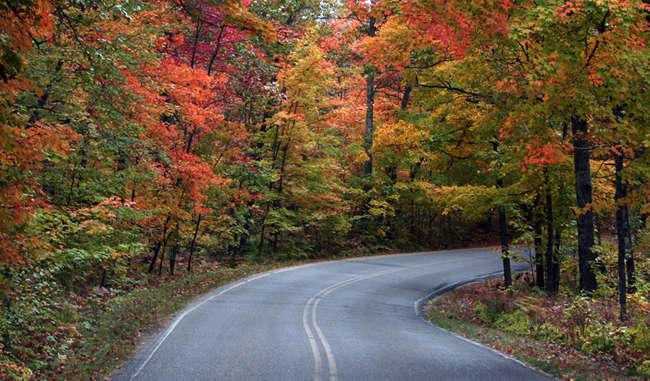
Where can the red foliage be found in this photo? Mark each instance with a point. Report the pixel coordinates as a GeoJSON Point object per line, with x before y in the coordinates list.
{"type": "Point", "coordinates": [542, 155]}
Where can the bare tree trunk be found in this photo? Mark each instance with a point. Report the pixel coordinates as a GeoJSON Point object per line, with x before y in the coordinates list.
{"type": "Point", "coordinates": [551, 259]}
{"type": "Point", "coordinates": [370, 104]}
{"type": "Point", "coordinates": [505, 242]}
{"type": "Point", "coordinates": [539, 253]}
{"type": "Point", "coordinates": [581, 157]}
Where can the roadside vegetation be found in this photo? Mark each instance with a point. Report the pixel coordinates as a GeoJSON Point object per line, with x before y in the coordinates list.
{"type": "Point", "coordinates": [147, 143]}
{"type": "Point", "coordinates": [569, 335]}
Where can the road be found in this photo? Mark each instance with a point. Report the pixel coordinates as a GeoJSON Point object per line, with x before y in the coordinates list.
{"type": "Point", "coordinates": [355, 319]}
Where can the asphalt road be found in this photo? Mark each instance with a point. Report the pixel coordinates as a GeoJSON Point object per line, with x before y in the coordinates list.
{"type": "Point", "coordinates": [355, 319]}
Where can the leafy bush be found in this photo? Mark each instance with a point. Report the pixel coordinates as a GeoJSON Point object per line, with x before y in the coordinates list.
{"type": "Point", "coordinates": [482, 313]}
{"type": "Point", "coordinates": [599, 337]}
{"type": "Point", "coordinates": [548, 332]}
{"type": "Point", "coordinates": [490, 311]}
{"type": "Point", "coordinates": [640, 334]}
{"type": "Point", "coordinates": [515, 322]}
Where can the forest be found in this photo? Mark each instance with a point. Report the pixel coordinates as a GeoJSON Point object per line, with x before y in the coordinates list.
{"type": "Point", "coordinates": [144, 143]}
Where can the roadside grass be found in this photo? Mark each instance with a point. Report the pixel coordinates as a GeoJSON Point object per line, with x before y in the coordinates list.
{"type": "Point", "coordinates": [555, 357]}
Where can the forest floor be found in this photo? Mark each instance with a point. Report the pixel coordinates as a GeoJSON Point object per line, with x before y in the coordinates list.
{"type": "Point", "coordinates": [561, 336]}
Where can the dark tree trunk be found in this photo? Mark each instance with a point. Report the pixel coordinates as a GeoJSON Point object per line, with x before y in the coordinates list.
{"type": "Point", "coordinates": [551, 259]}
{"type": "Point", "coordinates": [172, 258]}
{"type": "Point", "coordinates": [504, 237]}
{"type": "Point", "coordinates": [581, 155]}
{"type": "Point", "coordinates": [173, 251]}
{"type": "Point", "coordinates": [623, 234]}
{"type": "Point", "coordinates": [162, 256]}
{"type": "Point", "coordinates": [156, 250]}
{"type": "Point", "coordinates": [539, 251]}
{"type": "Point", "coordinates": [629, 266]}
{"type": "Point", "coordinates": [406, 96]}
{"type": "Point", "coordinates": [162, 253]}
{"type": "Point", "coordinates": [159, 245]}
{"type": "Point", "coordinates": [370, 104]}
{"type": "Point", "coordinates": [556, 260]}
{"type": "Point", "coordinates": [193, 243]}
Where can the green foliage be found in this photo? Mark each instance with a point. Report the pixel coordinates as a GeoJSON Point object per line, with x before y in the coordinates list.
{"type": "Point", "coordinates": [516, 321]}
{"type": "Point", "coordinates": [602, 337]}
{"type": "Point", "coordinates": [548, 332]}
{"type": "Point", "coordinates": [644, 369]}
{"type": "Point", "coordinates": [640, 334]}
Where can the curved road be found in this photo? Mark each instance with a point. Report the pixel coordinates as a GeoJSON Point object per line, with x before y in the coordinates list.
{"type": "Point", "coordinates": [355, 319]}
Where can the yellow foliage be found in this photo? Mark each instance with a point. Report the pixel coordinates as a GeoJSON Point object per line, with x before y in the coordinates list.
{"type": "Point", "coordinates": [398, 138]}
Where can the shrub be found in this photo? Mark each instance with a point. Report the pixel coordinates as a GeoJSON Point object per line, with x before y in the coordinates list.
{"type": "Point", "coordinates": [549, 332]}
{"type": "Point", "coordinates": [482, 313]}
{"type": "Point", "coordinates": [490, 311]}
{"type": "Point", "coordinates": [640, 334]}
{"type": "Point", "coordinates": [599, 337]}
{"type": "Point", "coordinates": [516, 322]}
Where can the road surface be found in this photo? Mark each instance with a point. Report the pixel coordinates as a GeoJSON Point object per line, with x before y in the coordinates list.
{"type": "Point", "coordinates": [355, 319]}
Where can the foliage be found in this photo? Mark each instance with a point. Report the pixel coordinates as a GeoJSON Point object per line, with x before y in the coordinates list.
{"type": "Point", "coordinates": [138, 136]}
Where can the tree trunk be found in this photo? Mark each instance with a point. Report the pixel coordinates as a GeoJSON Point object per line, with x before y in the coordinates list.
{"type": "Point", "coordinates": [159, 245]}
{"type": "Point", "coordinates": [581, 155]}
{"type": "Point", "coordinates": [174, 251]}
{"type": "Point", "coordinates": [370, 104]}
{"type": "Point", "coordinates": [623, 234]}
{"type": "Point", "coordinates": [629, 267]}
{"type": "Point", "coordinates": [539, 251]}
{"type": "Point", "coordinates": [193, 243]}
{"type": "Point", "coordinates": [156, 250]}
{"type": "Point", "coordinates": [162, 257]}
{"type": "Point", "coordinates": [505, 242]}
{"type": "Point", "coordinates": [551, 259]}
{"type": "Point", "coordinates": [406, 96]}
{"type": "Point", "coordinates": [556, 260]}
